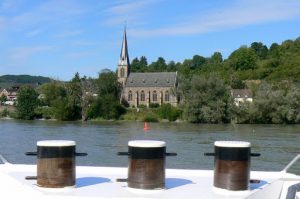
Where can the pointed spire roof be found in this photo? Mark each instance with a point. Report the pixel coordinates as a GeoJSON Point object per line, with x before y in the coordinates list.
{"type": "Point", "coordinates": [124, 58]}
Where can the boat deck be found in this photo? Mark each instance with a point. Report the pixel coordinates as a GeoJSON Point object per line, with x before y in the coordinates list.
{"type": "Point", "coordinates": [100, 182]}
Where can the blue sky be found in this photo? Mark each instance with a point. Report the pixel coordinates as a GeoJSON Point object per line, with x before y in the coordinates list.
{"type": "Point", "coordinates": [57, 38]}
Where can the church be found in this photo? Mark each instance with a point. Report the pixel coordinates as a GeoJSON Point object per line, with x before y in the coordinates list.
{"type": "Point", "coordinates": [145, 88]}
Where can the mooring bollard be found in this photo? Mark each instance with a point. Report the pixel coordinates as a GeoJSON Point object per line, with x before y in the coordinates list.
{"type": "Point", "coordinates": [232, 165]}
{"type": "Point", "coordinates": [55, 163]}
{"type": "Point", "coordinates": [146, 169]}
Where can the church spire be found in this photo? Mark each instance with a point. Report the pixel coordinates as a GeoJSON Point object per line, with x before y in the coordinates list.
{"type": "Point", "coordinates": [124, 64]}
{"type": "Point", "coordinates": [124, 58]}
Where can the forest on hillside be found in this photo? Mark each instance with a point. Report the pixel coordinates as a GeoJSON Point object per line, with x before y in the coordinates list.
{"type": "Point", "coordinates": [7, 81]}
{"type": "Point", "coordinates": [279, 62]}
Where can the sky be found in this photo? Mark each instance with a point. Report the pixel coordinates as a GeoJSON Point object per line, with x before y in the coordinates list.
{"type": "Point", "coordinates": [57, 38]}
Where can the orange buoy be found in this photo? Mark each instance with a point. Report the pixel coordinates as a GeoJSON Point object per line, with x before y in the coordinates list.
{"type": "Point", "coordinates": [146, 127]}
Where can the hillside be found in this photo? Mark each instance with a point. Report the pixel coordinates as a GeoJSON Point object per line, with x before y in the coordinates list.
{"type": "Point", "coordinates": [279, 62]}
{"type": "Point", "coordinates": [7, 81]}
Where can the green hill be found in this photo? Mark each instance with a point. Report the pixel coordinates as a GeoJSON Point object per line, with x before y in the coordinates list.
{"type": "Point", "coordinates": [276, 63]}
{"type": "Point", "coordinates": [7, 81]}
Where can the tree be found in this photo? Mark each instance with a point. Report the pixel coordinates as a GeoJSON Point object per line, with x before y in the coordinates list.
{"type": "Point", "coordinates": [216, 58]}
{"type": "Point", "coordinates": [158, 66]}
{"type": "Point", "coordinates": [274, 51]}
{"type": "Point", "coordinates": [75, 93]}
{"type": "Point", "coordinates": [107, 105]}
{"type": "Point", "coordinates": [27, 101]}
{"type": "Point", "coordinates": [167, 111]}
{"type": "Point", "coordinates": [139, 65]}
{"type": "Point", "coordinates": [197, 62]}
{"type": "Point", "coordinates": [206, 100]}
{"type": "Point", "coordinates": [135, 65]}
{"type": "Point", "coordinates": [171, 66]}
{"type": "Point", "coordinates": [143, 64]}
{"type": "Point", "coordinates": [243, 59]}
{"type": "Point", "coordinates": [2, 99]}
{"type": "Point", "coordinates": [260, 50]}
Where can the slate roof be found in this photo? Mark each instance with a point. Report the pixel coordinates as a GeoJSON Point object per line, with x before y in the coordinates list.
{"type": "Point", "coordinates": [160, 79]}
{"type": "Point", "coordinates": [242, 93]}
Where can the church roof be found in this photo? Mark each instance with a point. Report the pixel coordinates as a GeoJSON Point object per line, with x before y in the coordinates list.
{"type": "Point", "coordinates": [159, 79]}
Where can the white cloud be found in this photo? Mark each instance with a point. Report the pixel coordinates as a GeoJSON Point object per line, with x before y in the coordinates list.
{"type": "Point", "coordinates": [126, 7]}
{"type": "Point", "coordinates": [10, 5]}
{"type": "Point", "coordinates": [85, 43]}
{"type": "Point", "coordinates": [20, 55]}
{"type": "Point", "coordinates": [240, 14]}
{"type": "Point", "coordinates": [2, 22]}
{"type": "Point", "coordinates": [35, 32]}
{"type": "Point", "coordinates": [78, 55]}
{"type": "Point", "coordinates": [69, 33]}
{"type": "Point", "coordinates": [48, 13]}
{"type": "Point", "coordinates": [130, 11]}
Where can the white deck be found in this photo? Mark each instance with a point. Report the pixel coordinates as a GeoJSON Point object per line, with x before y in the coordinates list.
{"type": "Point", "coordinates": [100, 182]}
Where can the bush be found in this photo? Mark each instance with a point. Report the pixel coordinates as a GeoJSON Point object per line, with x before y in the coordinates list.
{"type": "Point", "coordinates": [142, 106]}
{"type": "Point", "coordinates": [44, 112]}
{"type": "Point", "coordinates": [150, 118]}
{"type": "Point", "coordinates": [5, 113]}
{"type": "Point", "coordinates": [153, 105]}
{"type": "Point", "coordinates": [167, 111]}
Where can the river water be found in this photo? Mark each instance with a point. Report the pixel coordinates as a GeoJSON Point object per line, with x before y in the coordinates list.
{"type": "Point", "coordinates": [278, 144]}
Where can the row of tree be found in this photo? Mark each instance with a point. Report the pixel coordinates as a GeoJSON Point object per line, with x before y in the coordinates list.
{"type": "Point", "coordinates": [81, 98]}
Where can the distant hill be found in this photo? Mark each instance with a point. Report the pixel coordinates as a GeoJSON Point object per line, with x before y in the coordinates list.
{"type": "Point", "coordinates": [7, 81]}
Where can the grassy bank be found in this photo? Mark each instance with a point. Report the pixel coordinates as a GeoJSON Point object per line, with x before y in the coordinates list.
{"type": "Point", "coordinates": [7, 111]}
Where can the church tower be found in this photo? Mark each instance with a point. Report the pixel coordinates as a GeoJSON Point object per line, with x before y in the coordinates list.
{"type": "Point", "coordinates": [124, 64]}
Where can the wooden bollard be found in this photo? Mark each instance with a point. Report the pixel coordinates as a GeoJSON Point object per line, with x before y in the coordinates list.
{"type": "Point", "coordinates": [146, 169]}
{"type": "Point", "coordinates": [55, 163]}
{"type": "Point", "coordinates": [232, 165]}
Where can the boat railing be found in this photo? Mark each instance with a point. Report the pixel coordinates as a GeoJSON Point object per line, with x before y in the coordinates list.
{"type": "Point", "coordinates": [3, 159]}
{"type": "Point", "coordinates": [289, 165]}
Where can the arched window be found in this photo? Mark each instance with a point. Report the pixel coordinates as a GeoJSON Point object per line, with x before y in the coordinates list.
{"type": "Point", "coordinates": [122, 72]}
{"type": "Point", "coordinates": [167, 96]}
{"type": "Point", "coordinates": [129, 96]}
{"type": "Point", "coordinates": [154, 96]}
{"type": "Point", "coordinates": [142, 96]}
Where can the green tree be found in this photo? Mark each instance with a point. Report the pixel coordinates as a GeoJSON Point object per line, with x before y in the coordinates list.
{"type": "Point", "coordinates": [27, 101]}
{"type": "Point", "coordinates": [107, 105]}
{"type": "Point", "coordinates": [243, 59]}
{"type": "Point", "coordinates": [274, 51]}
{"type": "Point", "coordinates": [158, 66]}
{"type": "Point", "coordinates": [2, 99]}
{"type": "Point", "coordinates": [143, 64]}
{"type": "Point", "coordinates": [260, 50]}
{"type": "Point", "coordinates": [135, 65]}
{"type": "Point", "coordinates": [167, 111]}
{"type": "Point", "coordinates": [216, 58]}
{"type": "Point", "coordinates": [197, 62]}
{"type": "Point", "coordinates": [52, 91]}
{"type": "Point", "coordinates": [206, 100]}
{"type": "Point", "coordinates": [171, 66]}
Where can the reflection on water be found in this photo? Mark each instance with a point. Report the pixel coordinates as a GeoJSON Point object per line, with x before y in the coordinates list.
{"type": "Point", "coordinates": [277, 144]}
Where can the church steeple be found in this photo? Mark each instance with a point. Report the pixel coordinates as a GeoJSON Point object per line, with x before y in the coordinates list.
{"type": "Point", "coordinates": [124, 63]}
{"type": "Point", "coordinates": [124, 58]}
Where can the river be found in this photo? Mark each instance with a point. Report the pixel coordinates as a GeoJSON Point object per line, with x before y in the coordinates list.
{"type": "Point", "coordinates": [278, 144]}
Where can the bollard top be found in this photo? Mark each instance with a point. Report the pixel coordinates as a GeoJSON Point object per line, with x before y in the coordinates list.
{"type": "Point", "coordinates": [146, 143]}
{"type": "Point", "coordinates": [56, 143]}
{"type": "Point", "coordinates": [238, 144]}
